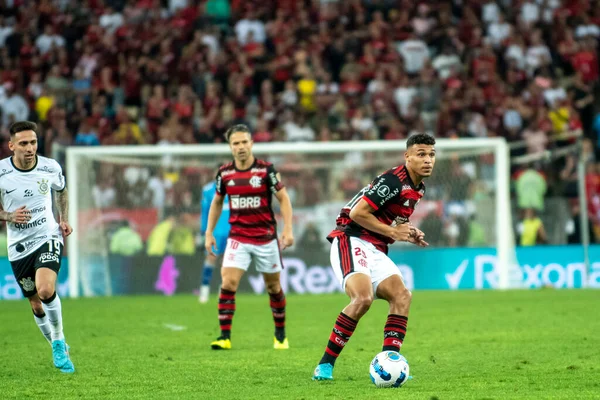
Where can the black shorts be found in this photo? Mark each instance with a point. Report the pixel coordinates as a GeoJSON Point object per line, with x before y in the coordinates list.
{"type": "Point", "coordinates": [48, 255]}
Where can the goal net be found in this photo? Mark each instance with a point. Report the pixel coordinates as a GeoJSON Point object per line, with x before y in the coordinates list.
{"type": "Point", "coordinates": [136, 210]}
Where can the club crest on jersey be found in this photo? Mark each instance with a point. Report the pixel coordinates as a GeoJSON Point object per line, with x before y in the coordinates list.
{"type": "Point", "coordinates": [255, 181]}
{"type": "Point", "coordinates": [43, 186]}
{"type": "Point", "coordinates": [28, 284]}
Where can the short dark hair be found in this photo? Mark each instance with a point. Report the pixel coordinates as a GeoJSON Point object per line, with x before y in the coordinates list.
{"type": "Point", "coordinates": [420, 138]}
{"type": "Point", "coordinates": [237, 128]}
{"type": "Point", "coordinates": [22, 126]}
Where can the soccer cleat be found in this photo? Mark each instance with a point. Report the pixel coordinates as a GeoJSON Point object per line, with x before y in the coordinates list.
{"type": "Point", "coordinates": [60, 356]}
{"type": "Point", "coordinates": [204, 292]}
{"type": "Point", "coordinates": [284, 345]}
{"type": "Point", "coordinates": [323, 372]}
{"type": "Point", "coordinates": [222, 343]}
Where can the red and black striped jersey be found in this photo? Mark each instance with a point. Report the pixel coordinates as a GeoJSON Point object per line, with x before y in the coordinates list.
{"type": "Point", "coordinates": [393, 195]}
{"type": "Point", "coordinates": [250, 194]}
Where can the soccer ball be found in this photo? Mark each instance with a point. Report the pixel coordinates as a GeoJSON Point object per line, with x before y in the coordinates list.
{"type": "Point", "coordinates": [389, 369]}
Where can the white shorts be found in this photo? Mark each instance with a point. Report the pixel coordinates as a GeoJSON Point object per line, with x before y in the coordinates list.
{"type": "Point", "coordinates": [267, 257]}
{"type": "Point", "coordinates": [350, 255]}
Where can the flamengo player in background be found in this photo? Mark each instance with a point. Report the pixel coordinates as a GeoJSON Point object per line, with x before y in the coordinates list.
{"type": "Point", "coordinates": [250, 184]}
{"type": "Point", "coordinates": [377, 216]}
{"type": "Point", "coordinates": [35, 240]}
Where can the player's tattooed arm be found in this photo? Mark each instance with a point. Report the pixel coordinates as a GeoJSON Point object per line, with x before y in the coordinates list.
{"type": "Point", "coordinates": [62, 204]}
{"type": "Point", "coordinates": [20, 215]}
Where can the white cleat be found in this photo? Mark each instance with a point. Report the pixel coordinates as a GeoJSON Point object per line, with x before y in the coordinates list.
{"type": "Point", "coordinates": [204, 292]}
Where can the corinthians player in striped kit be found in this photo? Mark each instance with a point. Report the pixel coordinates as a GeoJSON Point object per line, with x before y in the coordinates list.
{"type": "Point", "coordinates": [35, 239]}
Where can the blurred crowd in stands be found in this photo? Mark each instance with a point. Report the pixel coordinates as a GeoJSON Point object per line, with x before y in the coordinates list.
{"type": "Point", "coordinates": [125, 72]}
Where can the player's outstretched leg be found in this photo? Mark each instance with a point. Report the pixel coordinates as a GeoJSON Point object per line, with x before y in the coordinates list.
{"type": "Point", "coordinates": [395, 292]}
{"type": "Point", "coordinates": [45, 279]}
{"type": "Point", "coordinates": [360, 290]}
{"type": "Point", "coordinates": [40, 317]}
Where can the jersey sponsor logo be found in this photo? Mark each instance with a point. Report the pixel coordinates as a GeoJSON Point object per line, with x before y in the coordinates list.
{"type": "Point", "coordinates": [240, 203]}
{"type": "Point", "coordinates": [228, 172]}
{"type": "Point", "coordinates": [6, 172]}
{"type": "Point", "coordinates": [389, 196]}
{"type": "Point", "coordinates": [46, 169]}
{"type": "Point", "coordinates": [48, 257]}
{"type": "Point", "coordinates": [33, 224]}
{"type": "Point", "coordinates": [23, 246]}
{"type": "Point", "coordinates": [383, 190]}
{"type": "Point", "coordinates": [28, 193]}
{"type": "Point", "coordinates": [258, 170]}
{"type": "Point", "coordinates": [255, 182]}
{"type": "Point", "coordinates": [37, 210]}
{"type": "Point", "coordinates": [375, 187]}
{"type": "Point", "coordinates": [43, 186]}
{"type": "Point", "coordinates": [27, 284]}
{"type": "Point", "coordinates": [273, 177]}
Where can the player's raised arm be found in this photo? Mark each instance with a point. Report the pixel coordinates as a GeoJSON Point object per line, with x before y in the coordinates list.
{"type": "Point", "coordinates": [362, 214]}
{"type": "Point", "coordinates": [383, 190]}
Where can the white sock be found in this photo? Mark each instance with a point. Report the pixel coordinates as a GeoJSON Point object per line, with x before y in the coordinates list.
{"type": "Point", "coordinates": [54, 313]}
{"type": "Point", "coordinates": [44, 326]}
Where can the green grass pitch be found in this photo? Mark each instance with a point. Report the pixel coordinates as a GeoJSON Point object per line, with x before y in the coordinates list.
{"type": "Point", "coordinates": [460, 345]}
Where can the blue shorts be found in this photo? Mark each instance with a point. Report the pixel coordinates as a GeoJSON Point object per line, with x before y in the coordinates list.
{"type": "Point", "coordinates": [221, 245]}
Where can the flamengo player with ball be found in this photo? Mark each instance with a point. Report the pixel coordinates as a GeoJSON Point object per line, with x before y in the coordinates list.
{"type": "Point", "coordinates": [377, 216]}
{"type": "Point", "coordinates": [35, 239]}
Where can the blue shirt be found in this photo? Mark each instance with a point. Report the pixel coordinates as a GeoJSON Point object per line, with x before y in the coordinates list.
{"type": "Point", "coordinates": [222, 228]}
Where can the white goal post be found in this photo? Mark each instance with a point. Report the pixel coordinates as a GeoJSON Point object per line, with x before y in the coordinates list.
{"type": "Point", "coordinates": [77, 166]}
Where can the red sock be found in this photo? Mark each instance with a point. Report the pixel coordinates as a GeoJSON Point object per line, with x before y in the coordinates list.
{"type": "Point", "coordinates": [226, 311]}
{"type": "Point", "coordinates": [394, 331]}
{"type": "Point", "coordinates": [342, 330]}
{"type": "Point", "coordinates": [277, 302]}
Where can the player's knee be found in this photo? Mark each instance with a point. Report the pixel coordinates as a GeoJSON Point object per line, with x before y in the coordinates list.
{"type": "Point", "coordinates": [403, 297]}
{"type": "Point", "coordinates": [273, 287]}
{"type": "Point", "coordinates": [230, 284]}
{"type": "Point", "coordinates": [362, 303]}
{"type": "Point", "coordinates": [45, 291]}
